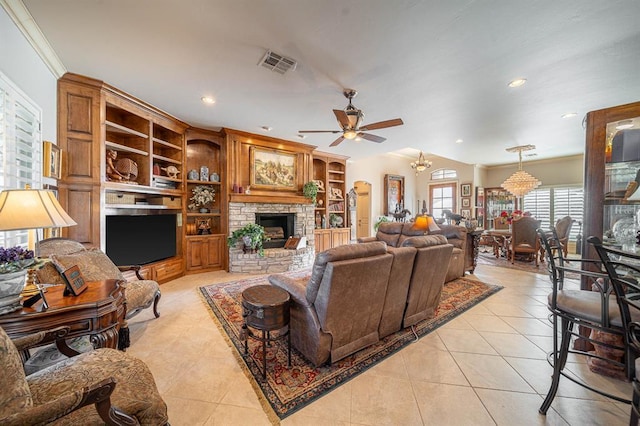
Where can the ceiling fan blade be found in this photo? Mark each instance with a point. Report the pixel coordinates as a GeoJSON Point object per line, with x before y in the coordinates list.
{"type": "Point", "coordinates": [372, 138]}
{"type": "Point", "coordinates": [337, 141]}
{"type": "Point", "coordinates": [383, 124]}
{"type": "Point", "coordinates": [342, 117]}
{"type": "Point", "coordinates": [319, 131]}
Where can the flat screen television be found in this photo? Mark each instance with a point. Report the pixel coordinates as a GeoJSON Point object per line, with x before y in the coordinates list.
{"type": "Point", "coordinates": [137, 240]}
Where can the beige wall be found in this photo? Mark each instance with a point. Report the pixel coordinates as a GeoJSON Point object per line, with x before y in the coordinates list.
{"type": "Point", "coordinates": [552, 172]}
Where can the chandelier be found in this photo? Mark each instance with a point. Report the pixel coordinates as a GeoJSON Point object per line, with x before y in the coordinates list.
{"type": "Point", "coordinates": [521, 182]}
{"type": "Point", "coordinates": [421, 165]}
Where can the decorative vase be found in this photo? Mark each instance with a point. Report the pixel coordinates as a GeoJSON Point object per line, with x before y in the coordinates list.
{"type": "Point", "coordinates": [204, 210]}
{"type": "Point", "coordinates": [204, 173]}
{"type": "Point", "coordinates": [246, 240]}
{"type": "Point", "coordinates": [214, 177]}
{"type": "Point", "coordinates": [11, 285]}
{"type": "Point", "coordinates": [193, 175]}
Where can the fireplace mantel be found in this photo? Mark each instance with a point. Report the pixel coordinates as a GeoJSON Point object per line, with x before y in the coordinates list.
{"type": "Point", "coordinates": [268, 199]}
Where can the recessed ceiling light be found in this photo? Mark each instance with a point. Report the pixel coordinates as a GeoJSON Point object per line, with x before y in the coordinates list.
{"type": "Point", "coordinates": [266, 128]}
{"type": "Point", "coordinates": [624, 124]}
{"type": "Point", "coordinates": [517, 82]}
{"type": "Point", "coordinates": [459, 141]}
{"type": "Point", "coordinates": [569, 115]}
{"type": "Point", "coordinates": [208, 100]}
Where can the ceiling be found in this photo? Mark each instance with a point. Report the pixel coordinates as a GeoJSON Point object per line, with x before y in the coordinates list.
{"type": "Point", "coordinates": [443, 67]}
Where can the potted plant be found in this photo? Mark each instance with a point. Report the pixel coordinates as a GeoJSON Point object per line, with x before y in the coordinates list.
{"type": "Point", "coordinates": [14, 263]}
{"type": "Point", "coordinates": [202, 195]}
{"type": "Point", "coordinates": [310, 190]}
{"type": "Point", "coordinates": [252, 236]}
{"type": "Point", "coordinates": [379, 221]}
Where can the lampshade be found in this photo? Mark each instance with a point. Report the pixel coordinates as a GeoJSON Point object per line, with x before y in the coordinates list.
{"type": "Point", "coordinates": [426, 223]}
{"type": "Point", "coordinates": [521, 182]}
{"type": "Point", "coordinates": [421, 165]}
{"type": "Point", "coordinates": [30, 209]}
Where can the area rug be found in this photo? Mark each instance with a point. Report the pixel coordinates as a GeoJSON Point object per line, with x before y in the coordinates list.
{"type": "Point", "coordinates": [288, 389]}
{"type": "Point", "coordinates": [488, 258]}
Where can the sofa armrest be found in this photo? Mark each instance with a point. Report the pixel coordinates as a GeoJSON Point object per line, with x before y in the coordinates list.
{"type": "Point", "coordinates": [135, 268]}
{"type": "Point", "coordinates": [367, 239]}
{"type": "Point", "coordinates": [295, 288]}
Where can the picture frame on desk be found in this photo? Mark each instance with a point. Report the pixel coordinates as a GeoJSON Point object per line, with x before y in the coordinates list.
{"type": "Point", "coordinates": [74, 281]}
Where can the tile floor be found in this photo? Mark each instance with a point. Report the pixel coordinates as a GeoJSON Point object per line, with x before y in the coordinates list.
{"type": "Point", "coordinates": [485, 367]}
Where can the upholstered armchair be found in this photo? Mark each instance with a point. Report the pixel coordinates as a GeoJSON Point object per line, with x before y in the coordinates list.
{"type": "Point", "coordinates": [97, 387]}
{"type": "Point", "coordinates": [524, 239]}
{"type": "Point", "coordinates": [336, 310]}
{"type": "Point", "coordinates": [96, 266]}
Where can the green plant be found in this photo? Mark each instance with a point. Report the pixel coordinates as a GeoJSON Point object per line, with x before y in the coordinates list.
{"type": "Point", "coordinates": [379, 221]}
{"type": "Point", "coordinates": [252, 235]}
{"type": "Point", "coordinates": [310, 190]}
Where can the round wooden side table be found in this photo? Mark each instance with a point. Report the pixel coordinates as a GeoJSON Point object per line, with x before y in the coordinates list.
{"type": "Point", "coordinates": [266, 308]}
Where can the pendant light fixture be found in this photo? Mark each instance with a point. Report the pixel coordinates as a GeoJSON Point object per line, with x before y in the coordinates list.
{"type": "Point", "coordinates": [521, 182]}
{"type": "Point", "coordinates": [421, 165]}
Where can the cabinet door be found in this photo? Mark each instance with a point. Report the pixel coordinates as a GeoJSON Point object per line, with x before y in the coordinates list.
{"type": "Point", "coordinates": [322, 239]}
{"type": "Point", "coordinates": [215, 251]}
{"type": "Point", "coordinates": [197, 253]}
{"type": "Point", "coordinates": [339, 237]}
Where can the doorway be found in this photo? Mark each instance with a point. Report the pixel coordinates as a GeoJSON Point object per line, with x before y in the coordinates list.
{"type": "Point", "coordinates": [363, 208]}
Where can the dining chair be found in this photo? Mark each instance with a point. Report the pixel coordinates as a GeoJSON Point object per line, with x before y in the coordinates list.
{"type": "Point", "coordinates": [523, 238]}
{"type": "Point", "coordinates": [563, 228]}
{"type": "Point", "coordinates": [596, 310]}
{"type": "Point", "coordinates": [623, 269]}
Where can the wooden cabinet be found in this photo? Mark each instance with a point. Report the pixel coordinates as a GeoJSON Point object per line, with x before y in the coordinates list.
{"type": "Point", "coordinates": [95, 121]}
{"type": "Point", "coordinates": [206, 252]}
{"type": "Point", "coordinates": [496, 201]}
{"type": "Point", "coordinates": [206, 226]}
{"type": "Point", "coordinates": [611, 174]}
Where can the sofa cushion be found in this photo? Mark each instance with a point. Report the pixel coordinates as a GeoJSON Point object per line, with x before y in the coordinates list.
{"type": "Point", "coordinates": [424, 241]}
{"type": "Point", "coordinates": [94, 265]}
{"type": "Point", "coordinates": [348, 251]}
{"type": "Point", "coordinates": [389, 232]}
{"type": "Point", "coordinates": [49, 274]}
{"type": "Point", "coordinates": [14, 390]}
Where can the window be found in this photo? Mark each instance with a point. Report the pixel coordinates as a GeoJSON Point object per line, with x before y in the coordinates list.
{"type": "Point", "coordinates": [443, 197]}
{"type": "Point", "coordinates": [20, 147]}
{"type": "Point", "coordinates": [444, 174]}
{"type": "Point", "coordinates": [550, 204]}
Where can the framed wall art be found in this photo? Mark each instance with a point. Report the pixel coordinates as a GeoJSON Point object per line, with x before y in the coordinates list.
{"type": "Point", "coordinates": [272, 169]}
{"type": "Point", "coordinates": [465, 190]}
{"type": "Point", "coordinates": [466, 202]}
{"type": "Point", "coordinates": [393, 194]}
{"type": "Point", "coordinates": [51, 160]}
{"type": "Point", "coordinates": [466, 213]}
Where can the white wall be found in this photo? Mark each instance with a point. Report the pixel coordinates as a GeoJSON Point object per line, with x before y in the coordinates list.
{"type": "Point", "coordinates": [22, 65]}
{"type": "Point", "coordinates": [555, 171]}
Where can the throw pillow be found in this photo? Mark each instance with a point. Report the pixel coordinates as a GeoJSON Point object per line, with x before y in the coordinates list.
{"type": "Point", "coordinates": [94, 265]}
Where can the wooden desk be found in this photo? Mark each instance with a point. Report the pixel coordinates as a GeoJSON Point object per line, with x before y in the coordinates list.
{"type": "Point", "coordinates": [99, 312]}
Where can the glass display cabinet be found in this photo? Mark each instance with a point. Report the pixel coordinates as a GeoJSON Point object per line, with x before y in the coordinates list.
{"type": "Point", "coordinates": [612, 176]}
{"type": "Point", "coordinates": [496, 201]}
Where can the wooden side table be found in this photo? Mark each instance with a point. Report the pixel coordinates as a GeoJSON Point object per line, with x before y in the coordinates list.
{"type": "Point", "coordinates": [471, 250]}
{"type": "Point", "coordinates": [98, 312]}
{"type": "Point", "coordinates": [266, 308]}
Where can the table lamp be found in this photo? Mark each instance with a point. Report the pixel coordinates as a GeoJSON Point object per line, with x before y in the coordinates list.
{"type": "Point", "coordinates": [31, 209]}
{"type": "Point", "coordinates": [426, 222]}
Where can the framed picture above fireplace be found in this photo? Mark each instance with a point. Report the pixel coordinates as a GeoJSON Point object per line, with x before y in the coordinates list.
{"type": "Point", "coordinates": [272, 169]}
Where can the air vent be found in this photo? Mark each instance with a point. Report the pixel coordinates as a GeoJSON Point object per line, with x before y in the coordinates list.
{"type": "Point", "coordinates": [278, 63]}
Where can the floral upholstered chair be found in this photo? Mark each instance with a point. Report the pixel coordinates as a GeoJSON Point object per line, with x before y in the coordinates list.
{"type": "Point", "coordinates": [97, 387]}
{"type": "Point", "coordinates": [96, 266]}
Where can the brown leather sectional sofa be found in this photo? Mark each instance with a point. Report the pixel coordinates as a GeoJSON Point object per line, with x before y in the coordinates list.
{"type": "Point", "coordinates": [359, 293]}
{"type": "Point", "coordinates": [399, 234]}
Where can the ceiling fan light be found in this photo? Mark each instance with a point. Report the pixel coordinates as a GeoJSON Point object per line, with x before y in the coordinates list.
{"type": "Point", "coordinates": [350, 134]}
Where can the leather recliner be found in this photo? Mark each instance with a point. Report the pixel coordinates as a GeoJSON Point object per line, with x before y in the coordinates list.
{"type": "Point", "coordinates": [336, 310]}
{"type": "Point", "coordinates": [396, 234]}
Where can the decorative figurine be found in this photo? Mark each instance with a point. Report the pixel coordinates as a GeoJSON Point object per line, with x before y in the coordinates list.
{"type": "Point", "coordinates": [112, 173]}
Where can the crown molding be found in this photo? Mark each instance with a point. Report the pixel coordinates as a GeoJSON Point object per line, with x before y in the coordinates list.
{"type": "Point", "coordinates": [21, 16]}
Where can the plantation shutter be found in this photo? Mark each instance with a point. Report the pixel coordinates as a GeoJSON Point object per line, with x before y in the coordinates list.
{"type": "Point", "coordinates": [538, 203]}
{"type": "Point", "coordinates": [20, 147]}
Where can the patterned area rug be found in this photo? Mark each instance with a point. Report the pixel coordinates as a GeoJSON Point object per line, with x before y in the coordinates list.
{"type": "Point", "coordinates": [288, 389]}
{"type": "Point", "coordinates": [488, 258]}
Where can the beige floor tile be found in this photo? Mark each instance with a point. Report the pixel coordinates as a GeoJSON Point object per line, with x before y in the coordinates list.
{"type": "Point", "coordinates": [506, 309]}
{"type": "Point", "coordinates": [530, 326]}
{"type": "Point", "coordinates": [513, 408]}
{"type": "Point", "coordinates": [577, 412]}
{"type": "Point", "coordinates": [441, 404]}
{"type": "Point", "coordinates": [431, 365]}
{"type": "Point", "coordinates": [465, 341]}
{"type": "Point", "coordinates": [188, 412]}
{"type": "Point", "coordinates": [488, 323]}
{"type": "Point", "coordinates": [229, 415]}
{"type": "Point", "coordinates": [394, 366]}
{"type": "Point", "coordinates": [458, 323]}
{"type": "Point", "coordinates": [377, 400]}
{"type": "Point", "coordinates": [491, 372]}
{"type": "Point", "coordinates": [515, 345]}
{"type": "Point", "coordinates": [332, 408]}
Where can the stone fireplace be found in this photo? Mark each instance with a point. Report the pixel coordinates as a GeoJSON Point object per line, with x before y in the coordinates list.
{"type": "Point", "coordinates": [294, 219]}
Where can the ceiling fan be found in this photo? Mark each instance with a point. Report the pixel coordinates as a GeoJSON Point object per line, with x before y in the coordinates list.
{"type": "Point", "coordinates": [350, 119]}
